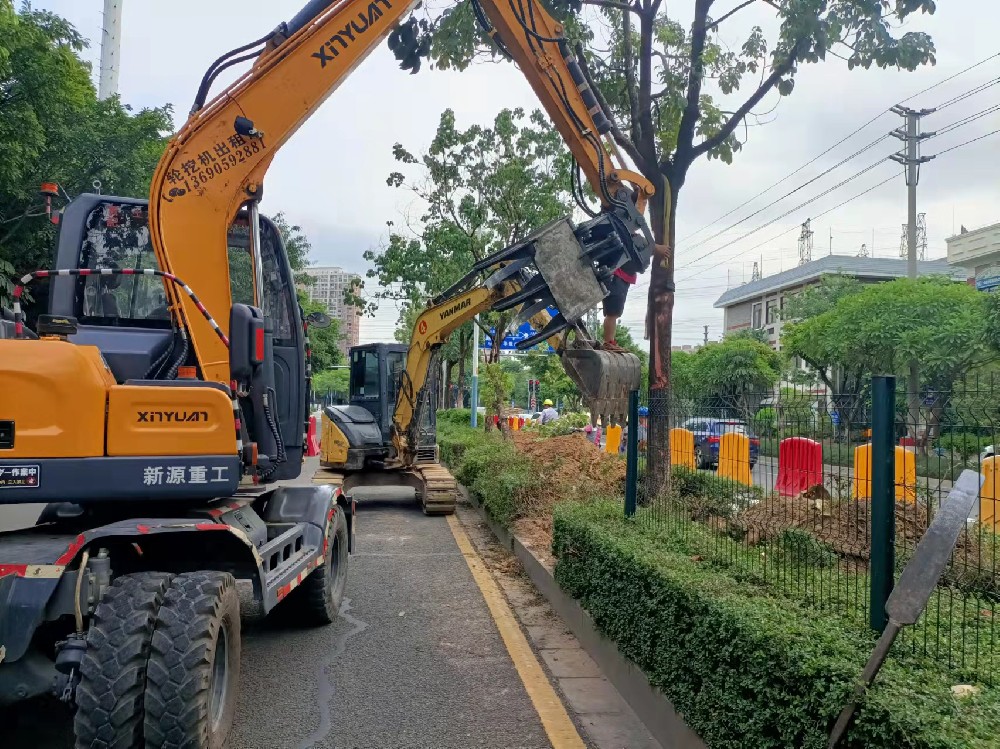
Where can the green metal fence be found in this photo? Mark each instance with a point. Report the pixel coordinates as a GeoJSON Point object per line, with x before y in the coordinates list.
{"type": "Point", "coordinates": [823, 497]}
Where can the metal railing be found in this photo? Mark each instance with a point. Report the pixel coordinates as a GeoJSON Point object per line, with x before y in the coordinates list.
{"type": "Point", "coordinates": [823, 497]}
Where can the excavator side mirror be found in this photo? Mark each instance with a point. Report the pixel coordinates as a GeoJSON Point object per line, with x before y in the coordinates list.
{"type": "Point", "coordinates": [246, 341]}
{"type": "Point", "coordinates": [318, 320]}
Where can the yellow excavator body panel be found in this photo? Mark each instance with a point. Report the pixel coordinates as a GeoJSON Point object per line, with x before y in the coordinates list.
{"type": "Point", "coordinates": [55, 393]}
{"type": "Point", "coordinates": [154, 420]}
{"type": "Point", "coordinates": [333, 444]}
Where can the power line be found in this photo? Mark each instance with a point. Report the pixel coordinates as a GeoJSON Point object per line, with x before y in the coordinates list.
{"type": "Point", "coordinates": [973, 140]}
{"type": "Point", "coordinates": [789, 193]}
{"type": "Point", "coordinates": [967, 94]}
{"type": "Point", "coordinates": [788, 231]}
{"type": "Point", "coordinates": [965, 120]}
{"type": "Point", "coordinates": [843, 140]}
{"type": "Point", "coordinates": [790, 211]}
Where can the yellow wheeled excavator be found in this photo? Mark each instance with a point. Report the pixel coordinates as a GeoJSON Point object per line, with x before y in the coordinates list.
{"type": "Point", "coordinates": [167, 386]}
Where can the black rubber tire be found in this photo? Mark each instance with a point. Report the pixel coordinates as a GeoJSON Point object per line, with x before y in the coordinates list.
{"type": "Point", "coordinates": [317, 600]}
{"type": "Point", "coordinates": [699, 458]}
{"type": "Point", "coordinates": [190, 697]}
{"type": "Point", "coordinates": [109, 696]}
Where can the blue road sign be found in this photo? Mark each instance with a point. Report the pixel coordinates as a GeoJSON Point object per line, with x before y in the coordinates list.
{"type": "Point", "coordinates": [523, 333]}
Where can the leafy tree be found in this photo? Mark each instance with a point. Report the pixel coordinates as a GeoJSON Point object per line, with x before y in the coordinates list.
{"type": "Point", "coordinates": [331, 381]}
{"type": "Point", "coordinates": [736, 373]}
{"type": "Point", "coordinates": [555, 383]}
{"type": "Point", "coordinates": [496, 385]}
{"type": "Point", "coordinates": [942, 325]}
{"type": "Point", "coordinates": [53, 129]}
{"type": "Point", "coordinates": [484, 188]}
{"type": "Point", "coordinates": [663, 77]}
{"type": "Point", "coordinates": [297, 246]}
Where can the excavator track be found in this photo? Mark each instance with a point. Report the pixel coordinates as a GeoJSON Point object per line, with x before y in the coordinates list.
{"type": "Point", "coordinates": [434, 484]}
{"type": "Point", "coordinates": [440, 489]}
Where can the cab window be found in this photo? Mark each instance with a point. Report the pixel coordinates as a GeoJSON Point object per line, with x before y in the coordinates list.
{"type": "Point", "coordinates": [364, 374]}
{"type": "Point", "coordinates": [117, 236]}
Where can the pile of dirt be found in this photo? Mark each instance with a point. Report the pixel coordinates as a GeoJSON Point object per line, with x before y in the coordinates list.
{"type": "Point", "coordinates": [568, 467]}
{"type": "Point", "coordinates": [841, 525]}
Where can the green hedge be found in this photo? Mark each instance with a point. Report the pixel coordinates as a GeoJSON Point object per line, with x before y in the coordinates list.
{"type": "Point", "coordinates": [746, 667]}
{"type": "Point", "coordinates": [487, 465]}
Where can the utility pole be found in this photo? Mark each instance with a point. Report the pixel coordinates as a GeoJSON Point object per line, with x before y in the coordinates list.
{"type": "Point", "coordinates": [706, 335]}
{"type": "Point", "coordinates": [911, 159]}
{"type": "Point", "coordinates": [111, 47]}
{"type": "Point", "coordinates": [475, 372]}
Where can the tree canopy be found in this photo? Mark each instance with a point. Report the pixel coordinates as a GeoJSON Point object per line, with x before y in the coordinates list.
{"type": "Point", "coordinates": [480, 190]}
{"type": "Point", "coordinates": [681, 87]}
{"type": "Point", "coordinates": [53, 129]}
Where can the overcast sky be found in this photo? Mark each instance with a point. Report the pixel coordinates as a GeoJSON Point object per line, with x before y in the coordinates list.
{"type": "Point", "coordinates": [330, 177]}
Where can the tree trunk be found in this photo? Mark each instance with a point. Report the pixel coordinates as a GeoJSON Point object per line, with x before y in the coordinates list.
{"type": "Point", "coordinates": [659, 318]}
{"type": "Point", "coordinates": [463, 355]}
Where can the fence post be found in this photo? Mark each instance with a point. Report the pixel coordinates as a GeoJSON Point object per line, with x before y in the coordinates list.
{"type": "Point", "coordinates": [883, 497]}
{"type": "Point", "coordinates": [632, 454]}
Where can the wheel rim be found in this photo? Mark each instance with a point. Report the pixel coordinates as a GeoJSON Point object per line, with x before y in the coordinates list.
{"type": "Point", "coordinates": [220, 673]}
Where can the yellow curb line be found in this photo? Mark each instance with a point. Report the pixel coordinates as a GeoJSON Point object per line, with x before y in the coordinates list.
{"type": "Point", "coordinates": [555, 720]}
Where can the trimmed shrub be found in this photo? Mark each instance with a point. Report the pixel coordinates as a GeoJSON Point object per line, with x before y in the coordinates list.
{"type": "Point", "coordinates": [746, 668]}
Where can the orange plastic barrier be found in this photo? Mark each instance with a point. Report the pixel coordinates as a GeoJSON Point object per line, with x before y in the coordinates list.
{"type": "Point", "coordinates": [800, 465]}
{"type": "Point", "coordinates": [312, 439]}
{"type": "Point", "coordinates": [614, 440]}
{"type": "Point", "coordinates": [682, 448]}
{"type": "Point", "coordinates": [734, 458]}
{"type": "Point", "coordinates": [989, 494]}
{"type": "Point", "coordinates": [905, 477]}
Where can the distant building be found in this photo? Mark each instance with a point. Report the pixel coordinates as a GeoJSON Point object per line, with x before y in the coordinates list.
{"type": "Point", "coordinates": [328, 288]}
{"type": "Point", "coordinates": [758, 304]}
{"type": "Point", "coordinates": [978, 253]}
{"type": "Point", "coordinates": [686, 348]}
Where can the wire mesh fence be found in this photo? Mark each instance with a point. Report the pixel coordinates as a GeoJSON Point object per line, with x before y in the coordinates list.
{"type": "Point", "coordinates": [777, 488]}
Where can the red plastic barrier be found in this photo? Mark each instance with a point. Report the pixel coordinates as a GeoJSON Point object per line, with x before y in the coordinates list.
{"type": "Point", "coordinates": [907, 442]}
{"type": "Point", "coordinates": [312, 439]}
{"type": "Point", "coordinates": [520, 422]}
{"type": "Point", "coordinates": [800, 465]}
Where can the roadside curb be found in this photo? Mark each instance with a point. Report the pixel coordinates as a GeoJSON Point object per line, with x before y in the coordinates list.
{"type": "Point", "coordinates": [655, 711]}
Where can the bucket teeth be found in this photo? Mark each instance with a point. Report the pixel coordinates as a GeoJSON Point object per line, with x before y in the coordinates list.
{"type": "Point", "coordinates": [605, 379]}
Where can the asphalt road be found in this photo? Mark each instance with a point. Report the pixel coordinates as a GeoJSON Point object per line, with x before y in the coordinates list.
{"type": "Point", "coordinates": [416, 659]}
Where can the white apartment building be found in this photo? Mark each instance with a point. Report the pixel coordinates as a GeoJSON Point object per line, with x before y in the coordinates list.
{"type": "Point", "coordinates": [978, 253]}
{"type": "Point", "coordinates": [328, 287]}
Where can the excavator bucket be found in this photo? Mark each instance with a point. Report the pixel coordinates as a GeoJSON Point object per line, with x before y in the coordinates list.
{"type": "Point", "coordinates": [605, 379]}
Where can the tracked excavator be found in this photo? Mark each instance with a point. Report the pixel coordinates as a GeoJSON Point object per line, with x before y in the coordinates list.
{"type": "Point", "coordinates": [165, 391]}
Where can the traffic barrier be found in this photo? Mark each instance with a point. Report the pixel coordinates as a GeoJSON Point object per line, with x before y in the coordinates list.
{"type": "Point", "coordinates": [682, 448]}
{"type": "Point", "coordinates": [520, 422]}
{"type": "Point", "coordinates": [614, 439]}
{"type": "Point", "coordinates": [907, 442]}
{"type": "Point", "coordinates": [800, 465]}
{"type": "Point", "coordinates": [734, 458]}
{"type": "Point", "coordinates": [312, 439]}
{"type": "Point", "coordinates": [905, 478]}
{"type": "Point", "coordinates": [989, 494]}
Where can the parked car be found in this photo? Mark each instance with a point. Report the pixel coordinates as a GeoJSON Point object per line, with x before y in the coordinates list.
{"type": "Point", "coordinates": [707, 435]}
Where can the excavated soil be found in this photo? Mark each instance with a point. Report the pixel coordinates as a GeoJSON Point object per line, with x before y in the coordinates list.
{"type": "Point", "coordinates": [842, 525]}
{"type": "Point", "coordinates": [568, 467]}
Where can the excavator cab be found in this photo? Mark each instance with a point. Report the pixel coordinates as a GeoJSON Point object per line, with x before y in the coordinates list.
{"type": "Point", "coordinates": [358, 435]}
{"type": "Point", "coordinates": [112, 386]}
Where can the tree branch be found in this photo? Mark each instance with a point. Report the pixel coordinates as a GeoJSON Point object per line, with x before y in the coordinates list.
{"type": "Point", "coordinates": [630, 84]}
{"type": "Point", "coordinates": [616, 133]}
{"type": "Point", "coordinates": [684, 154]}
{"type": "Point", "coordinates": [647, 130]}
{"type": "Point", "coordinates": [612, 5]}
{"type": "Point", "coordinates": [741, 6]}
{"type": "Point", "coordinates": [769, 83]}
